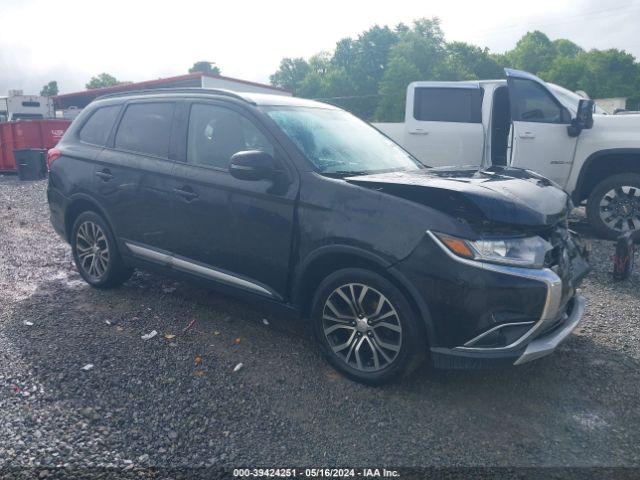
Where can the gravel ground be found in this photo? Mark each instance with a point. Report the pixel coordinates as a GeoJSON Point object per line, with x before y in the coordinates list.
{"type": "Point", "coordinates": [177, 402]}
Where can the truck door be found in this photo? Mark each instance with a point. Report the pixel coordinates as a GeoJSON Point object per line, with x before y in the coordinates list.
{"type": "Point", "coordinates": [540, 141]}
{"type": "Point", "coordinates": [444, 123]}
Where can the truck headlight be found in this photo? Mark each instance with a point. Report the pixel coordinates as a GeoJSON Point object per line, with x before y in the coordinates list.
{"type": "Point", "coordinates": [526, 252]}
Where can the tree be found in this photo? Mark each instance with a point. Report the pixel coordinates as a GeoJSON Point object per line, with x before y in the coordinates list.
{"type": "Point", "coordinates": [534, 53]}
{"type": "Point", "coordinates": [205, 67]}
{"type": "Point", "coordinates": [50, 89]}
{"type": "Point", "coordinates": [393, 89]}
{"type": "Point", "coordinates": [290, 74]}
{"type": "Point", "coordinates": [464, 61]}
{"type": "Point", "coordinates": [566, 48]}
{"type": "Point", "coordinates": [103, 80]}
{"type": "Point", "coordinates": [369, 74]}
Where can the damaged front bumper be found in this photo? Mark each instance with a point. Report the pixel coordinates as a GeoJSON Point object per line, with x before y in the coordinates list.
{"type": "Point", "coordinates": [521, 335]}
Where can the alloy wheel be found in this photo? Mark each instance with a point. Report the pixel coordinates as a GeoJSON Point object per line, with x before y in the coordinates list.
{"type": "Point", "coordinates": [92, 249]}
{"type": "Point", "coordinates": [620, 209]}
{"type": "Point", "coordinates": [362, 327]}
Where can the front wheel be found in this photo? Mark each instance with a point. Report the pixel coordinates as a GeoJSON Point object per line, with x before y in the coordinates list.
{"type": "Point", "coordinates": [365, 326]}
{"type": "Point", "coordinates": [613, 208]}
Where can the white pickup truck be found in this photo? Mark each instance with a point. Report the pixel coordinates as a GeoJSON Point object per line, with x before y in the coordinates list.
{"type": "Point", "coordinates": [525, 122]}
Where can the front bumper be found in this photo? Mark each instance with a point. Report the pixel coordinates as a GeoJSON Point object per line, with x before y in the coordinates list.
{"type": "Point", "coordinates": [488, 315]}
{"type": "Point", "coordinates": [541, 346]}
{"type": "Point", "coordinates": [546, 344]}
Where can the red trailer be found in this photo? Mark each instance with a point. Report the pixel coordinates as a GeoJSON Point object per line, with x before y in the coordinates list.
{"type": "Point", "coordinates": [43, 134]}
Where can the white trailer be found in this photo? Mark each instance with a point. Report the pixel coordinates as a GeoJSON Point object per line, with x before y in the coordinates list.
{"type": "Point", "coordinates": [17, 106]}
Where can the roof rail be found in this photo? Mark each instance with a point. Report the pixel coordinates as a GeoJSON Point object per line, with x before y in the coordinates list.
{"type": "Point", "coordinates": [216, 91]}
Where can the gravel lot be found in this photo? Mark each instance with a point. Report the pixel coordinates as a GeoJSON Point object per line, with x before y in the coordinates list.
{"type": "Point", "coordinates": [179, 403]}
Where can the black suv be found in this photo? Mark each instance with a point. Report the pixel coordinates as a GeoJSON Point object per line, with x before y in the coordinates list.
{"type": "Point", "coordinates": [304, 206]}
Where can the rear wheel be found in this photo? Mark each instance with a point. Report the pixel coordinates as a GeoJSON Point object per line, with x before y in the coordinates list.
{"type": "Point", "coordinates": [613, 208]}
{"type": "Point", "coordinates": [365, 326]}
{"type": "Point", "coordinates": [95, 253]}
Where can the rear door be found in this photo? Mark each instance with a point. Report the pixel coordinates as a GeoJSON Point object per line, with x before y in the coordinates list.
{"type": "Point", "coordinates": [134, 173]}
{"type": "Point", "coordinates": [539, 138]}
{"type": "Point", "coordinates": [239, 231]}
{"type": "Point", "coordinates": [444, 123]}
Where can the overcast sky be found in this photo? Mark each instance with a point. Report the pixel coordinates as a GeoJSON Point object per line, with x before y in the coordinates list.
{"type": "Point", "coordinates": [71, 40]}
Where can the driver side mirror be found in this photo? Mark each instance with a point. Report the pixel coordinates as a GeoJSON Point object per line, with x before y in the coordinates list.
{"type": "Point", "coordinates": [584, 118]}
{"type": "Point", "coordinates": [251, 165]}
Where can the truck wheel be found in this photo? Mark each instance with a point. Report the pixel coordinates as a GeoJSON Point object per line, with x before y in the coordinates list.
{"type": "Point", "coordinates": [613, 208]}
{"type": "Point", "coordinates": [365, 326]}
{"type": "Point", "coordinates": [95, 253]}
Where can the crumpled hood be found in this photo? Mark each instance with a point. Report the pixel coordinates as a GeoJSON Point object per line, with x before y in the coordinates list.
{"type": "Point", "coordinates": [482, 197]}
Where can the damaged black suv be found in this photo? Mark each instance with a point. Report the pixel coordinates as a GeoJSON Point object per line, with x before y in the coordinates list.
{"type": "Point", "coordinates": [303, 206]}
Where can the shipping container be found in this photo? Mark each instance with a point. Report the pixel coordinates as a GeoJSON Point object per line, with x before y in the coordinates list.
{"type": "Point", "coordinates": [43, 134]}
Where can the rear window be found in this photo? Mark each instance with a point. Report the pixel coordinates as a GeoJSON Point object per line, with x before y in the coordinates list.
{"type": "Point", "coordinates": [448, 104]}
{"type": "Point", "coordinates": [146, 128]}
{"type": "Point", "coordinates": [96, 130]}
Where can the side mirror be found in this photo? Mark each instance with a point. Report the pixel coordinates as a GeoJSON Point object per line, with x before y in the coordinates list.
{"type": "Point", "coordinates": [251, 165]}
{"type": "Point", "coordinates": [584, 118]}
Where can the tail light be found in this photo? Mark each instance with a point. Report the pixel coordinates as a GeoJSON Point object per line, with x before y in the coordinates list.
{"type": "Point", "coordinates": [52, 156]}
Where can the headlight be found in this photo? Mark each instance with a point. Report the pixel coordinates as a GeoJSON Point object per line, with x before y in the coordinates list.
{"type": "Point", "coordinates": [527, 252]}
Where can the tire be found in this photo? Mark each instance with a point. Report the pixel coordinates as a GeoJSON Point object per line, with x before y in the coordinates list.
{"type": "Point", "coordinates": [395, 338]}
{"type": "Point", "coordinates": [617, 198]}
{"type": "Point", "coordinates": [95, 252]}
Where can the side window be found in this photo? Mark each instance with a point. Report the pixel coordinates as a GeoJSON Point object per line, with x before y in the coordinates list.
{"type": "Point", "coordinates": [146, 128]}
{"type": "Point", "coordinates": [434, 104]}
{"type": "Point", "coordinates": [216, 133]}
{"type": "Point", "coordinates": [96, 130]}
{"type": "Point", "coordinates": [532, 103]}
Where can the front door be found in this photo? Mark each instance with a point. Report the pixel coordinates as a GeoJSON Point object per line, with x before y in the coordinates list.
{"type": "Point", "coordinates": [446, 125]}
{"type": "Point", "coordinates": [539, 137]}
{"type": "Point", "coordinates": [234, 231]}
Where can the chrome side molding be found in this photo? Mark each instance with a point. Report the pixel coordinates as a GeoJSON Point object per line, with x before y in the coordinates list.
{"type": "Point", "coordinates": [190, 266]}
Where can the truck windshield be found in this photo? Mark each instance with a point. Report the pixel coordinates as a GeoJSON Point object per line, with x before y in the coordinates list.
{"type": "Point", "coordinates": [337, 142]}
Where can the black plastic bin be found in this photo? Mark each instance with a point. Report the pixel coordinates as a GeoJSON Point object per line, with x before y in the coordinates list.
{"type": "Point", "coordinates": [31, 163]}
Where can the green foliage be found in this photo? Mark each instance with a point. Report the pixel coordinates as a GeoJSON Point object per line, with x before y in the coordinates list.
{"type": "Point", "coordinates": [368, 75]}
{"type": "Point", "coordinates": [291, 74]}
{"type": "Point", "coordinates": [534, 52]}
{"type": "Point", "coordinates": [103, 80]}
{"type": "Point", "coordinates": [50, 89]}
{"type": "Point", "coordinates": [205, 67]}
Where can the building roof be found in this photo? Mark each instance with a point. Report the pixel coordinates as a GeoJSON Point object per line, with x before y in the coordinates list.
{"type": "Point", "coordinates": [83, 98]}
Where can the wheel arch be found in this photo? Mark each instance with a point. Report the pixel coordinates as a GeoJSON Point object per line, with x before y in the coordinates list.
{"type": "Point", "coordinates": [78, 204]}
{"type": "Point", "coordinates": [325, 260]}
{"type": "Point", "coordinates": [602, 164]}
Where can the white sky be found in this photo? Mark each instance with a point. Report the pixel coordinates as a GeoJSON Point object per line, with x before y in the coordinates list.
{"type": "Point", "coordinates": [71, 40]}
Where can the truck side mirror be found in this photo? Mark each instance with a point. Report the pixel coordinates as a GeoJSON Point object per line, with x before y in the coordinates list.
{"type": "Point", "coordinates": [584, 118]}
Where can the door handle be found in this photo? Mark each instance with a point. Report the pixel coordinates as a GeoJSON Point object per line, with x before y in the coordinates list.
{"type": "Point", "coordinates": [418, 132]}
{"type": "Point", "coordinates": [189, 195]}
{"type": "Point", "coordinates": [527, 135]}
{"type": "Point", "coordinates": [104, 174]}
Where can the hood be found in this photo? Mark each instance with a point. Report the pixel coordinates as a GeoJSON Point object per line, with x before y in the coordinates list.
{"type": "Point", "coordinates": [485, 198]}
{"type": "Point", "coordinates": [622, 122]}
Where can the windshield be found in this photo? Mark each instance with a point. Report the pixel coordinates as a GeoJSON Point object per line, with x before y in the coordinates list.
{"type": "Point", "coordinates": [570, 99]}
{"type": "Point", "coordinates": [337, 142]}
